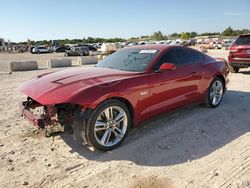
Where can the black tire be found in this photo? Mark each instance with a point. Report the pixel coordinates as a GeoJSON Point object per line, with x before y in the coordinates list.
{"type": "Point", "coordinates": [208, 100]}
{"type": "Point", "coordinates": [233, 69]}
{"type": "Point", "coordinates": [38, 52]}
{"type": "Point", "coordinates": [81, 54]}
{"type": "Point", "coordinates": [90, 123]}
{"type": "Point", "coordinates": [66, 54]}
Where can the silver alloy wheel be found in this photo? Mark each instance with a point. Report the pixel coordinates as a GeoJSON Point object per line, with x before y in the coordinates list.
{"type": "Point", "coordinates": [110, 126]}
{"type": "Point", "coordinates": [216, 92]}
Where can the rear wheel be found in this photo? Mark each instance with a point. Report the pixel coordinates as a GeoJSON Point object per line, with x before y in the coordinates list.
{"type": "Point", "coordinates": [108, 125]}
{"type": "Point", "coordinates": [215, 93]}
{"type": "Point", "coordinates": [233, 69]}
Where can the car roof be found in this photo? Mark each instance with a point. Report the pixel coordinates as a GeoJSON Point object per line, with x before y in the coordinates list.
{"type": "Point", "coordinates": [152, 46]}
{"type": "Point", "coordinates": [245, 35]}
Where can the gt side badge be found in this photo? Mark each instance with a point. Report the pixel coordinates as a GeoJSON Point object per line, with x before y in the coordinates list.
{"type": "Point", "coordinates": [144, 93]}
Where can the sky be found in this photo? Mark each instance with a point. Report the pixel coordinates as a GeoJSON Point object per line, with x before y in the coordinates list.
{"type": "Point", "coordinates": [60, 19]}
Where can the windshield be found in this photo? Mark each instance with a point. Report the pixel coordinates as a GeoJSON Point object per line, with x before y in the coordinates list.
{"type": "Point", "coordinates": [129, 60]}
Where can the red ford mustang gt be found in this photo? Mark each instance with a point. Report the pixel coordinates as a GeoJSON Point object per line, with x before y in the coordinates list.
{"type": "Point", "coordinates": [101, 103]}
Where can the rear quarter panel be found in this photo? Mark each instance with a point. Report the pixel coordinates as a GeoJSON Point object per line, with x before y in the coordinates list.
{"type": "Point", "coordinates": [212, 69]}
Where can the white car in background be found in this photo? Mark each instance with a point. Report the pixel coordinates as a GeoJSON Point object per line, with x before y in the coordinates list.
{"type": "Point", "coordinates": [38, 50]}
{"type": "Point", "coordinates": [217, 45]}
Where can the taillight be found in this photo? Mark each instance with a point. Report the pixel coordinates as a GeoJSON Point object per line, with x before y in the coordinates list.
{"type": "Point", "coordinates": [233, 48]}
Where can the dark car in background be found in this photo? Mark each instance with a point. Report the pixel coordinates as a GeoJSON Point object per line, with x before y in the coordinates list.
{"type": "Point", "coordinates": [239, 54]}
{"type": "Point", "coordinates": [90, 47]}
{"type": "Point", "coordinates": [62, 49]}
{"type": "Point", "coordinates": [77, 51]}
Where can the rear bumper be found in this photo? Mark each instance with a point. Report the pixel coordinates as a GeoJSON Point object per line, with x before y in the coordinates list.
{"type": "Point", "coordinates": [239, 62]}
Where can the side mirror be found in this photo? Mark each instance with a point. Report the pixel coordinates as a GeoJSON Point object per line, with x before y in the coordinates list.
{"type": "Point", "coordinates": [167, 66]}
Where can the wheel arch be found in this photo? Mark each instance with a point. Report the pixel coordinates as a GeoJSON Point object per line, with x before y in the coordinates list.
{"type": "Point", "coordinates": [93, 100]}
{"type": "Point", "coordinates": [223, 79]}
{"type": "Point", "coordinates": [124, 101]}
{"type": "Point", "coordinates": [129, 106]}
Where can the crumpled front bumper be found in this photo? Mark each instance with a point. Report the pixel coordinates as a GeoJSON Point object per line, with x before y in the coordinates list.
{"type": "Point", "coordinates": [30, 117]}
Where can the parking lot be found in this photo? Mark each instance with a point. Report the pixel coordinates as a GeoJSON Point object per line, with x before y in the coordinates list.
{"type": "Point", "coordinates": [192, 147]}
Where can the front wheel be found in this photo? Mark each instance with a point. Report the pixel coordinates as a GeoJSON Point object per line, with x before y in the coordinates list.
{"type": "Point", "coordinates": [215, 93]}
{"type": "Point", "coordinates": [108, 125]}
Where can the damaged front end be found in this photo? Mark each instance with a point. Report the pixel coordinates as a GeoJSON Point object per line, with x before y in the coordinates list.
{"type": "Point", "coordinates": [69, 116]}
{"type": "Point", "coordinates": [37, 114]}
{"type": "Point", "coordinates": [44, 116]}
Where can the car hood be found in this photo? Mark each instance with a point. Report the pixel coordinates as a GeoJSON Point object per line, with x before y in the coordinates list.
{"type": "Point", "coordinates": [61, 86]}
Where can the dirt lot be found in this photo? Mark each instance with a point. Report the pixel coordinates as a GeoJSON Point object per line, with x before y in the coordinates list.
{"type": "Point", "coordinates": [191, 147]}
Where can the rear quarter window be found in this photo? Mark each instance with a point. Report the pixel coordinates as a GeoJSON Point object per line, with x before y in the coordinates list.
{"type": "Point", "coordinates": [195, 57]}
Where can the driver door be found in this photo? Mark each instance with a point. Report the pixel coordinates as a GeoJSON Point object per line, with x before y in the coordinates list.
{"type": "Point", "coordinates": [172, 88]}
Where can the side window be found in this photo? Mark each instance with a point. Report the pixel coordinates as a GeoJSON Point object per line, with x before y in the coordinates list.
{"type": "Point", "coordinates": [176, 56]}
{"type": "Point", "coordinates": [180, 56]}
{"type": "Point", "coordinates": [194, 57]}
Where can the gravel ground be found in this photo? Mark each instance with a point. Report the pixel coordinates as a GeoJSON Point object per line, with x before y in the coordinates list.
{"type": "Point", "coordinates": [190, 147]}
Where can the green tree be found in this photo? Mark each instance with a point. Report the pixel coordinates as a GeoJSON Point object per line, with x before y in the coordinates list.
{"type": "Point", "coordinates": [209, 33]}
{"type": "Point", "coordinates": [228, 32]}
{"type": "Point", "coordinates": [175, 35]}
{"type": "Point", "coordinates": [193, 34]}
{"type": "Point", "coordinates": [144, 36]}
{"type": "Point", "coordinates": [185, 35]}
{"type": "Point", "coordinates": [157, 36]}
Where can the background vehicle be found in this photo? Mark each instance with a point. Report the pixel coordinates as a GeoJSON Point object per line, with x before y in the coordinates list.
{"type": "Point", "coordinates": [90, 47]}
{"type": "Point", "coordinates": [61, 49]}
{"type": "Point", "coordinates": [108, 48]}
{"type": "Point", "coordinates": [77, 51]}
{"type": "Point", "coordinates": [126, 88]}
{"type": "Point", "coordinates": [190, 42]}
{"type": "Point", "coordinates": [211, 45]}
{"type": "Point", "coordinates": [184, 43]}
{"type": "Point", "coordinates": [38, 50]}
{"type": "Point", "coordinates": [227, 43]}
{"type": "Point", "coordinates": [217, 45]}
{"type": "Point", "coordinates": [239, 54]}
